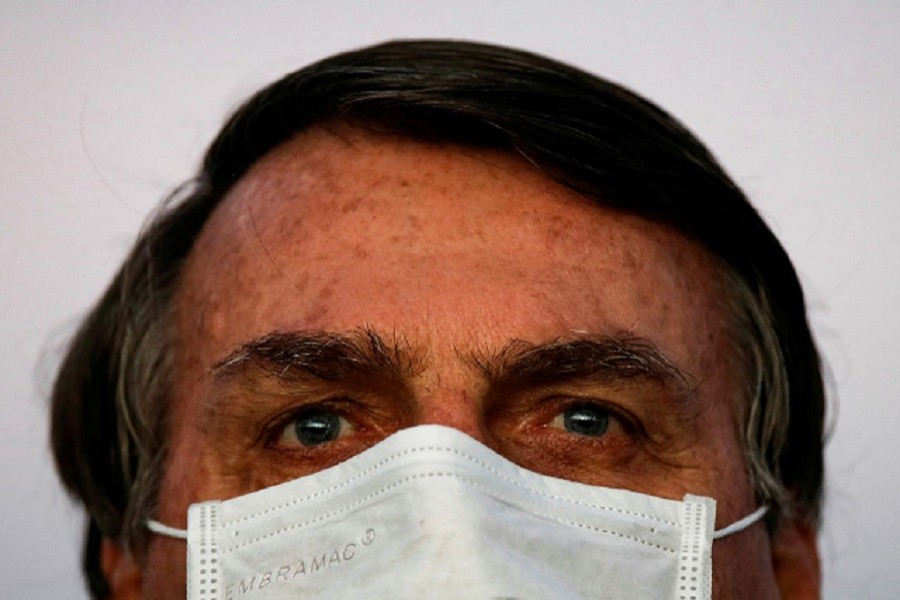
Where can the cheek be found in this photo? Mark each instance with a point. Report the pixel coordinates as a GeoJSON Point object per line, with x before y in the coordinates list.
{"type": "Point", "coordinates": [165, 571]}
{"type": "Point", "coordinates": [742, 566]}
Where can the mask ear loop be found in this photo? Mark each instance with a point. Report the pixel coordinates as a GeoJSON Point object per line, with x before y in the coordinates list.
{"type": "Point", "coordinates": [173, 532]}
{"type": "Point", "coordinates": [741, 524]}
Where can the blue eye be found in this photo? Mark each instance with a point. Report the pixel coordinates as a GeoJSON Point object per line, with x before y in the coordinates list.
{"type": "Point", "coordinates": [315, 427]}
{"type": "Point", "coordinates": [584, 419]}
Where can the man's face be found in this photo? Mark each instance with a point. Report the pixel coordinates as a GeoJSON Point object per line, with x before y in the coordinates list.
{"type": "Point", "coordinates": [456, 263]}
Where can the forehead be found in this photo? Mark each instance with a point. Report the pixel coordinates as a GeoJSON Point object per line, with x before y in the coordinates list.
{"type": "Point", "coordinates": [336, 230]}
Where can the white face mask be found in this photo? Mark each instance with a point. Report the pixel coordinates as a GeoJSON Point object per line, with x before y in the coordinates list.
{"type": "Point", "coordinates": [431, 513]}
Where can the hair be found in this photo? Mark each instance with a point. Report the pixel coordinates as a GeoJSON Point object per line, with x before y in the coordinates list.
{"type": "Point", "coordinates": [110, 399]}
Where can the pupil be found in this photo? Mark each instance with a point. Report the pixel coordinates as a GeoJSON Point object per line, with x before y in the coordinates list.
{"type": "Point", "coordinates": [317, 428]}
{"type": "Point", "coordinates": [586, 420]}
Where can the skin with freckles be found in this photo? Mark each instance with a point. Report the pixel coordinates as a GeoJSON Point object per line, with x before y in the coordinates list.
{"type": "Point", "coordinates": [462, 265]}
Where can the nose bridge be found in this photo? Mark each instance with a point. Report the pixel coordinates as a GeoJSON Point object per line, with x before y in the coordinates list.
{"type": "Point", "coordinates": [453, 400]}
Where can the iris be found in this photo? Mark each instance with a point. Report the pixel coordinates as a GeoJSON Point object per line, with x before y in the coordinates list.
{"type": "Point", "coordinates": [317, 427]}
{"type": "Point", "coordinates": [585, 419]}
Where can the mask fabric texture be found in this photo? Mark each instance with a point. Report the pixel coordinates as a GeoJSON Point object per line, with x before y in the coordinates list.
{"type": "Point", "coordinates": [430, 512]}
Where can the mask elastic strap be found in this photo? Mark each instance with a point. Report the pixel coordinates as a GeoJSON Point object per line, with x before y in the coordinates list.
{"type": "Point", "coordinates": [741, 524]}
{"type": "Point", "coordinates": [173, 532]}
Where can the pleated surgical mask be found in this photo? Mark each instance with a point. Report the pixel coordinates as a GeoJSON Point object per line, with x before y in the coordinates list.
{"type": "Point", "coordinates": [431, 513]}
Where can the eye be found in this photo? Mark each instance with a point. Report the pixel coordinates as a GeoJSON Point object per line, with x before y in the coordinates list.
{"type": "Point", "coordinates": [315, 427]}
{"type": "Point", "coordinates": [583, 419]}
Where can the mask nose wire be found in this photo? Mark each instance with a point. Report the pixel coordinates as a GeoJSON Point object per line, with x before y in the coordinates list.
{"type": "Point", "coordinates": [174, 532]}
{"type": "Point", "coordinates": [741, 524]}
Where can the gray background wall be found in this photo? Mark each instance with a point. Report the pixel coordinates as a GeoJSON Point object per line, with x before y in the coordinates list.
{"type": "Point", "coordinates": [105, 106]}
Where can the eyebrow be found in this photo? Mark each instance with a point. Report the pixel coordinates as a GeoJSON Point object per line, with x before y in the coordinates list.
{"type": "Point", "coordinates": [604, 358]}
{"type": "Point", "coordinates": [330, 356]}
{"type": "Point", "coordinates": [294, 356]}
